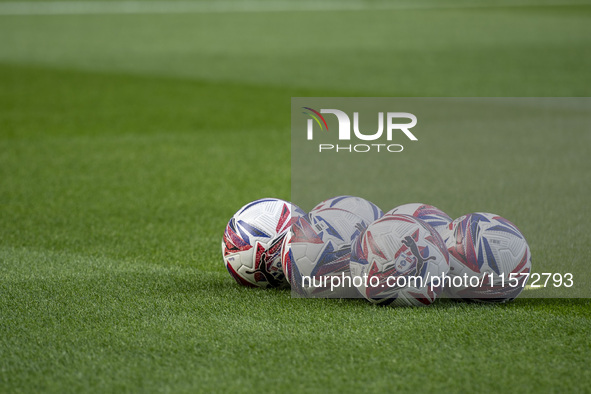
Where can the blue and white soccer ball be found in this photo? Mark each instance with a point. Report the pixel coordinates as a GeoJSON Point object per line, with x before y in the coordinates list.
{"type": "Point", "coordinates": [434, 216]}
{"type": "Point", "coordinates": [252, 241]}
{"type": "Point", "coordinates": [316, 253]}
{"type": "Point", "coordinates": [492, 254]}
{"type": "Point", "coordinates": [399, 260]}
{"type": "Point", "coordinates": [361, 207]}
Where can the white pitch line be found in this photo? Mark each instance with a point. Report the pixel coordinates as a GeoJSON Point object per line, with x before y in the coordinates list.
{"type": "Point", "coordinates": [181, 6]}
{"type": "Point", "coordinates": [528, 287]}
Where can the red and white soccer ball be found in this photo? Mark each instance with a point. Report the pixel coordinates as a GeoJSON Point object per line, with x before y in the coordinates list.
{"type": "Point", "coordinates": [491, 253]}
{"type": "Point", "coordinates": [396, 259]}
{"type": "Point", "coordinates": [436, 218]}
{"type": "Point", "coordinates": [318, 247]}
{"type": "Point", "coordinates": [251, 244]}
{"type": "Point", "coordinates": [316, 253]}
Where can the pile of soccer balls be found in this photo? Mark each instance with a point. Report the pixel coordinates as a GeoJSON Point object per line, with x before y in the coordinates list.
{"type": "Point", "coordinates": [346, 247]}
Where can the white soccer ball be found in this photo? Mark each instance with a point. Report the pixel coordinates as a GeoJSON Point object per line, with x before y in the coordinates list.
{"type": "Point", "coordinates": [491, 256]}
{"type": "Point", "coordinates": [316, 253]}
{"type": "Point", "coordinates": [436, 218]}
{"type": "Point", "coordinates": [361, 207]}
{"type": "Point", "coordinates": [252, 241]}
{"type": "Point", "coordinates": [396, 261]}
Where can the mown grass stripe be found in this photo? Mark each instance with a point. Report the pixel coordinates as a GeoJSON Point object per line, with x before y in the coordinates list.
{"type": "Point", "coordinates": [172, 7]}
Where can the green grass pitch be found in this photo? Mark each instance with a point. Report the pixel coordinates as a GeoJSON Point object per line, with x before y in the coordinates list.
{"type": "Point", "coordinates": [128, 140]}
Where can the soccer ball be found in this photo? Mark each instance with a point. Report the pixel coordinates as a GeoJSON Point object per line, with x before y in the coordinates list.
{"type": "Point", "coordinates": [436, 218]}
{"type": "Point", "coordinates": [395, 261]}
{"type": "Point", "coordinates": [315, 254]}
{"type": "Point", "coordinates": [490, 255]}
{"type": "Point", "coordinates": [252, 242]}
{"type": "Point", "coordinates": [361, 207]}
